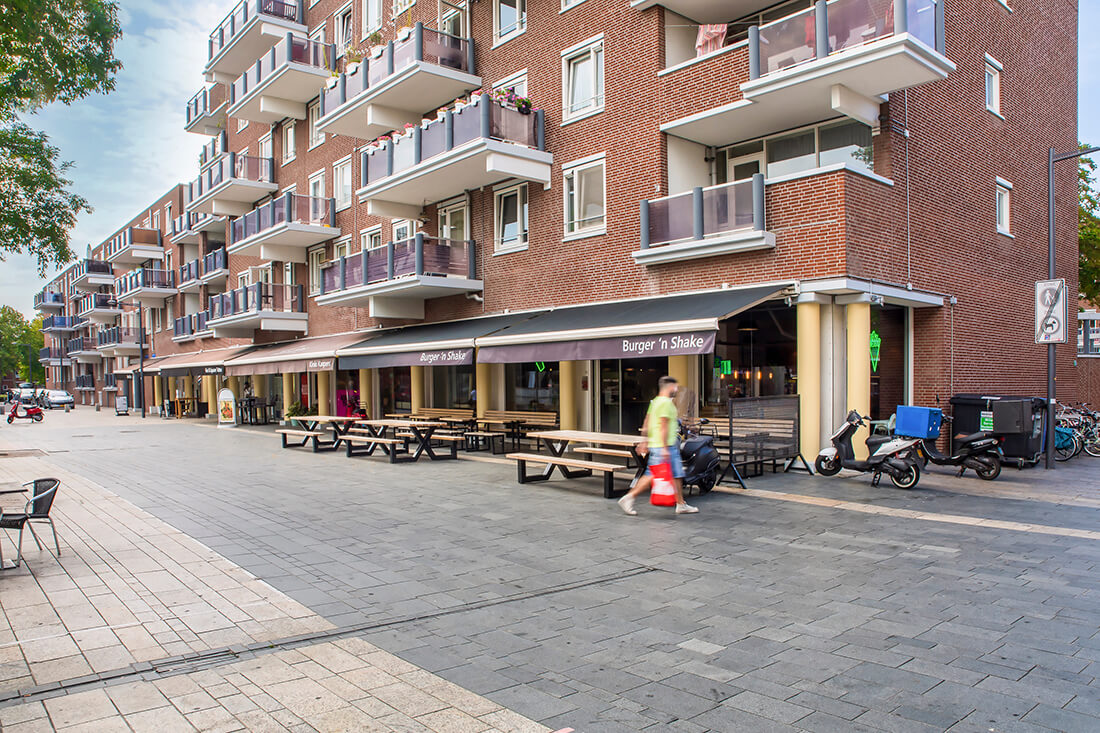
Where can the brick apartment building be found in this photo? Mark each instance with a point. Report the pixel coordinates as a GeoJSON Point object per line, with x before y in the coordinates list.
{"type": "Point", "coordinates": [549, 204]}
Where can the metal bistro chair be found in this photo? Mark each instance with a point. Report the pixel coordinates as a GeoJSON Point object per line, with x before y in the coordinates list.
{"type": "Point", "coordinates": [37, 509]}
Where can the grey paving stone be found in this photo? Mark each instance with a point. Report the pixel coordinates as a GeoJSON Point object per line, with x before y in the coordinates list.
{"type": "Point", "coordinates": [1062, 720]}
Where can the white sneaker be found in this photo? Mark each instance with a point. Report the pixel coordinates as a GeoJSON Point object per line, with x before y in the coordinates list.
{"type": "Point", "coordinates": [627, 503]}
{"type": "Point", "coordinates": [685, 509]}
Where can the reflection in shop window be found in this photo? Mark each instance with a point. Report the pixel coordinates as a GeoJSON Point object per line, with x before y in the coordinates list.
{"type": "Point", "coordinates": [754, 356]}
{"type": "Point", "coordinates": [453, 387]}
{"type": "Point", "coordinates": [532, 386]}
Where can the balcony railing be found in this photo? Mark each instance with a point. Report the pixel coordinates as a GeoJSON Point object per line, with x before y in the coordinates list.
{"type": "Point", "coordinates": [243, 14]}
{"type": "Point", "coordinates": [118, 335]}
{"type": "Point", "coordinates": [831, 27]}
{"type": "Point", "coordinates": [93, 267]}
{"type": "Point", "coordinates": [425, 44]}
{"type": "Point", "coordinates": [133, 236]}
{"type": "Point", "coordinates": [217, 146]}
{"type": "Point", "coordinates": [260, 297]}
{"type": "Point", "coordinates": [421, 255]}
{"type": "Point", "coordinates": [96, 301]}
{"type": "Point", "coordinates": [79, 344]}
{"type": "Point", "coordinates": [110, 381]}
{"type": "Point", "coordinates": [214, 261]}
{"type": "Point", "coordinates": [291, 49]}
{"type": "Point", "coordinates": [229, 167]}
{"type": "Point", "coordinates": [145, 278]}
{"type": "Point", "coordinates": [703, 212]}
{"type": "Point", "coordinates": [485, 120]}
{"type": "Point", "coordinates": [207, 102]}
{"type": "Point", "coordinates": [46, 298]}
{"type": "Point", "coordinates": [287, 209]}
{"type": "Point", "coordinates": [84, 381]}
{"type": "Point", "coordinates": [61, 322]}
{"type": "Point", "coordinates": [52, 352]}
{"type": "Point", "coordinates": [190, 271]}
{"type": "Point", "coordinates": [190, 325]}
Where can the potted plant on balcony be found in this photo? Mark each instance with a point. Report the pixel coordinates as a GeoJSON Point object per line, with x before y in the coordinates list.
{"type": "Point", "coordinates": [352, 59]}
{"type": "Point", "coordinates": [406, 28]}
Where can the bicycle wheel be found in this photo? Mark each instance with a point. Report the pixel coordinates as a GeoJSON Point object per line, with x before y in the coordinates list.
{"type": "Point", "coordinates": [1092, 446]}
{"type": "Point", "coordinates": [1064, 451]}
{"type": "Point", "coordinates": [1078, 444]}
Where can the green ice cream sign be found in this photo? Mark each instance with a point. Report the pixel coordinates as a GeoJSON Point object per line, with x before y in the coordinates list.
{"type": "Point", "coordinates": [876, 347]}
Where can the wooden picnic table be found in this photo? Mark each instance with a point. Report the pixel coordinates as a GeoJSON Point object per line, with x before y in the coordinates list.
{"type": "Point", "coordinates": [421, 431]}
{"type": "Point", "coordinates": [185, 404]}
{"type": "Point", "coordinates": [558, 440]}
{"type": "Point", "coordinates": [340, 425]}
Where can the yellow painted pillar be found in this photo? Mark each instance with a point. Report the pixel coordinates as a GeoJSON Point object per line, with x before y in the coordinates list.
{"type": "Point", "coordinates": [858, 317]}
{"type": "Point", "coordinates": [679, 368]}
{"type": "Point", "coordinates": [171, 387]}
{"type": "Point", "coordinates": [235, 387]}
{"type": "Point", "coordinates": [189, 386]}
{"type": "Point", "coordinates": [416, 377]}
{"type": "Point", "coordinates": [158, 392]}
{"type": "Point", "coordinates": [259, 385]}
{"type": "Point", "coordinates": [323, 380]}
{"type": "Point", "coordinates": [808, 317]}
{"type": "Point", "coordinates": [567, 395]}
{"type": "Point", "coordinates": [290, 392]}
{"type": "Point", "coordinates": [483, 386]}
{"type": "Point", "coordinates": [213, 384]}
{"type": "Point", "coordinates": [365, 391]}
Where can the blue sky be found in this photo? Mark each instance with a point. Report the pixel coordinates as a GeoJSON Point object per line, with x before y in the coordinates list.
{"type": "Point", "coordinates": [130, 147]}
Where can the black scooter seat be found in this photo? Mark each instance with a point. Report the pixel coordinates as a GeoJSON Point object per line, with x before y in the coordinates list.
{"type": "Point", "coordinates": [960, 438]}
{"type": "Point", "coordinates": [878, 440]}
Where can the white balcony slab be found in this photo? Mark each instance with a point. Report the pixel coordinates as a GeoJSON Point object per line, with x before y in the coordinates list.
{"type": "Point", "coordinates": [257, 36]}
{"type": "Point", "coordinates": [245, 324]}
{"type": "Point", "coordinates": [151, 296]}
{"type": "Point", "coordinates": [102, 315]}
{"type": "Point", "coordinates": [190, 286]}
{"type": "Point", "coordinates": [86, 356]}
{"type": "Point", "coordinates": [286, 242]}
{"type": "Point", "coordinates": [231, 197]}
{"type": "Point", "coordinates": [411, 291]}
{"type": "Point", "coordinates": [704, 11]}
{"type": "Point", "coordinates": [50, 306]}
{"type": "Point", "coordinates": [92, 282]}
{"type": "Point", "coordinates": [135, 254]}
{"type": "Point", "coordinates": [743, 240]}
{"type": "Point", "coordinates": [283, 94]}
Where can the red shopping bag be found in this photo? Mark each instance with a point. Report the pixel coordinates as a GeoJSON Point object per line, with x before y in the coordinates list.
{"type": "Point", "coordinates": [663, 492]}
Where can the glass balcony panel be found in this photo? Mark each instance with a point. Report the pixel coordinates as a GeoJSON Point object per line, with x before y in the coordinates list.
{"type": "Point", "coordinates": [376, 265]}
{"type": "Point", "coordinates": [353, 270]}
{"type": "Point", "coordinates": [670, 219]}
{"type": "Point", "coordinates": [378, 68]}
{"type": "Point", "coordinates": [788, 42]}
{"type": "Point", "coordinates": [727, 208]}
{"type": "Point", "coordinates": [404, 257]}
{"type": "Point", "coordinates": [330, 277]}
{"type": "Point", "coordinates": [446, 256]}
{"type": "Point", "coordinates": [445, 50]}
{"type": "Point", "coordinates": [253, 168]}
{"type": "Point", "coordinates": [433, 139]}
{"type": "Point", "coordinates": [855, 22]}
{"type": "Point", "coordinates": [509, 124]}
{"type": "Point", "coordinates": [403, 153]}
{"type": "Point", "coordinates": [376, 165]}
{"type": "Point", "coordinates": [922, 20]}
{"type": "Point", "coordinates": [404, 53]}
{"type": "Point", "coordinates": [467, 124]}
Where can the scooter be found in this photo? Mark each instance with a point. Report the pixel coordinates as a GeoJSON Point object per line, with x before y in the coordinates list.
{"type": "Point", "coordinates": [32, 412]}
{"type": "Point", "coordinates": [980, 452]}
{"type": "Point", "coordinates": [889, 454]}
{"type": "Point", "coordinates": [700, 458]}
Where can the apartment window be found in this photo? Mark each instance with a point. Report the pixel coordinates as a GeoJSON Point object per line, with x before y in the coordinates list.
{"type": "Point", "coordinates": [566, 4]}
{"type": "Point", "coordinates": [156, 220]}
{"type": "Point", "coordinates": [992, 85]}
{"type": "Point", "coordinates": [316, 258]}
{"type": "Point", "coordinates": [317, 185]}
{"type": "Point", "coordinates": [843, 142]}
{"type": "Point", "coordinates": [169, 312]}
{"type": "Point", "coordinates": [244, 279]}
{"type": "Point", "coordinates": [264, 148]}
{"type": "Point", "coordinates": [509, 18]}
{"type": "Point", "coordinates": [317, 35]}
{"type": "Point", "coordinates": [288, 273]}
{"type": "Point", "coordinates": [341, 183]}
{"type": "Point", "coordinates": [315, 136]}
{"type": "Point", "coordinates": [510, 221]}
{"type": "Point", "coordinates": [582, 79]}
{"type": "Point", "coordinates": [372, 16]}
{"type": "Point", "coordinates": [241, 124]}
{"type": "Point", "coordinates": [516, 82]}
{"type": "Point", "coordinates": [343, 37]}
{"type": "Point", "coordinates": [370, 238]}
{"type": "Point", "coordinates": [288, 142]}
{"type": "Point", "coordinates": [167, 215]}
{"type": "Point", "coordinates": [584, 197]}
{"type": "Point", "coordinates": [452, 222]}
{"type": "Point", "coordinates": [341, 249]}
{"type": "Point", "coordinates": [156, 319]}
{"type": "Point", "coordinates": [1004, 206]}
{"type": "Point", "coordinates": [452, 18]}
{"type": "Point", "coordinates": [400, 6]}
{"type": "Point", "coordinates": [403, 229]}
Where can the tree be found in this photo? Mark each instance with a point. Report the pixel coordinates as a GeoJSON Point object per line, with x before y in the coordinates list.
{"type": "Point", "coordinates": [53, 51]}
{"type": "Point", "coordinates": [1088, 231]}
{"type": "Point", "coordinates": [15, 335]}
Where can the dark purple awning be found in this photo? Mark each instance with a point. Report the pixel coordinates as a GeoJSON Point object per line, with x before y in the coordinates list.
{"type": "Point", "coordinates": [627, 347]}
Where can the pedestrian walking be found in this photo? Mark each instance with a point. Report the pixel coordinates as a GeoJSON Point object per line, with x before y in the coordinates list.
{"type": "Point", "coordinates": [662, 431]}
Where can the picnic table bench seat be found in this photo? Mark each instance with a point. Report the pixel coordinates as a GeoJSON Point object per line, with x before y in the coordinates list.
{"type": "Point", "coordinates": [580, 468]}
{"type": "Point", "coordinates": [596, 450]}
{"type": "Point", "coordinates": [305, 436]}
{"type": "Point", "coordinates": [365, 445]}
{"type": "Point", "coordinates": [475, 439]}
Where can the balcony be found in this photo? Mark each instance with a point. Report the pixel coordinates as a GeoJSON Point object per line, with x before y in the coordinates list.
{"type": "Point", "coordinates": [839, 57]}
{"type": "Point", "coordinates": [134, 246]}
{"type": "Point", "coordinates": [704, 222]}
{"type": "Point", "coordinates": [471, 147]}
{"type": "Point", "coordinates": [248, 32]}
{"type": "Point", "coordinates": [259, 307]}
{"type": "Point", "coordinates": [99, 307]}
{"type": "Point", "coordinates": [215, 268]}
{"type": "Point", "coordinates": [188, 328]}
{"type": "Point", "coordinates": [83, 350]}
{"type": "Point", "coordinates": [149, 287]}
{"type": "Point", "coordinates": [423, 72]}
{"type": "Point", "coordinates": [282, 81]}
{"type": "Point", "coordinates": [91, 275]}
{"type": "Point", "coordinates": [284, 228]}
{"type": "Point", "coordinates": [232, 185]}
{"type": "Point", "coordinates": [53, 356]}
{"type": "Point", "coordinates": [84, 382]}
{"type": "Point", "coordinates": [119, 341]}
{"type": "Point", "coordinates": [395, 280]}
{"type": "Point", "coordinates": [216, 148]}
{"type": "Point", "coordinates": [110, 382]}
{"type": "Point", "coordinates": [206, 111]}
{"type": "Point", "coordinates": [189, 281]}
{"type": "Point", "coordinates": [49, 302]}
{"type": "Point", "coordinates": [61, 324]}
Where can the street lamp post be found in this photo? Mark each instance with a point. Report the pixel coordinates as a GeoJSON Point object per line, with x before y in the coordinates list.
{"type": "Point", "coordinates": [1053, 158]}
{"type": "Point", "coordinates": [141, 356]}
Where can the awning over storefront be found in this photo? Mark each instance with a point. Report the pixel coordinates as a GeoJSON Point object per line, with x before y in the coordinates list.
{"type": "Point", "coordinates": [667, 325]}
{"type": "Point", "coordinates": [150, 367]}
{"type": "Point", "coordinates": [196, 363]}
{"type": "Point", "coordinates": [434, 344]}
{"type": "Point", "coordinates": [316, 354]}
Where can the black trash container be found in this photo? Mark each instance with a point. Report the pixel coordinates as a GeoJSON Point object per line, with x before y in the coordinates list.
{"type": "Point", "coordinates": [1019, 419]}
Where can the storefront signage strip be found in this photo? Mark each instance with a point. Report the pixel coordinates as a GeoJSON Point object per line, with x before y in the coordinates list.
{"type": "Point", "coordinates": [441, 357]}
{"type": "Point", "coordinates": [295, 366]}
{"type": "Point", "coordinates": [626, 347]}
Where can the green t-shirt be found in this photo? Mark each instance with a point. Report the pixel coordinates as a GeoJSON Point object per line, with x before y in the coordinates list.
{"type": "Point", "coordinates": [658, 408]}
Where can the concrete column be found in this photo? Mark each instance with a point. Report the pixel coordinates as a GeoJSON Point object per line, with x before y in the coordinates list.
{"type": "Point", "coordinates": [365, 389]}
{"type": "Point", "coordinates": [567, 394]}
{"type": "Point", "coordinates": [259, 385]}
{"type": "Point", "coordinates": [290, 392]}
{"type": "Point", "coordinates": [483, 385]}
{"type": "Point", "coordinates": [158, 392]}
{"type": "Point", "coordinates": [416, 386]}
{"type": "Point", "coordinates": [188, 386]}
{"type": "Point", "coordinates": [213, 384]}
{"type": "Point", "coordinates": [323, 384]}
{"type": "Point", "coordinates": [235, 387]}
{"type": "Point", "coordinates": [858, 317]}
{"type": "Point", "coordinates": [808, 317]}
{"type": "Point", "coordinates": [171, 387]}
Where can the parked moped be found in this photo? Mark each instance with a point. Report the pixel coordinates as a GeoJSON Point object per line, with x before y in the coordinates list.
{"type": "Point", "coordinates": [889, 454]}
{"type": "Point", "coordinates": [979, 451]}
{"type": "Point", "coordinates": [31, 412]}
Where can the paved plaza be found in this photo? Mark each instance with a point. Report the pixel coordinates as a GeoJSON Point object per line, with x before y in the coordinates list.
{"type": "Point", "coordinates": [211, 581]}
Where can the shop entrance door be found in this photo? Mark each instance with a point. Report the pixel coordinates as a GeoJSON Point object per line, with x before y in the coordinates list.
{"type": "Point", "coordinates": [626, 387]}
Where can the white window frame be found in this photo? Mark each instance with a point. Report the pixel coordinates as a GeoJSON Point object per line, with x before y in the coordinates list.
{"type": "Point", "coordinates": [341, 41]}
{"type": "Point", "coordinates": [1003, 213]}
{"type": "Point", "coordinates": [445, 210]}
{"type": "Point", "coordinates": [316, 176]}
{"type": "Point", "coordinates": [512, 81]}
{"type": "Point", "coordinates": [342, 164]}
{"type": "Point", "coordinates": [341, 248]}
{"type": "Point", "coordinates": [316, 138]}
{"type": "Point", "coordinates": [288, 273]}
{"type": "Point", "coordinates": [265, 140]}
{"type": "Point", "coordinates": [569, 5]}
{"type": "Point", "coordinates": [397, 7]}
{"type": "Point", "coordinates": [457, 8]}
{"type": "Point", "coordinates": [498, 193]}
{"type": "Point", "coordinates": [314, 259]}
{"type": "Point", "coordinates": [992, 78]}
{"type": "Point", "coordinates": [241, 124]}
{"type": "Point", "coordinates": [365, 237]}
{"type": "Point", "coordinates": [570, 56]}
{"type": "Point", "coordinates": [368, 27]}
{"type": "Point", "coordinates": [289, 130]}
{"type": "Point", "coordinates": [400, 224]}
{"type": "Point", "coordinates": [156, 220]}
{"type": "Point", "coordinates": [317, 35]}
{"type": "Point", "coordinates": [568, 171]}
{"type": "Point", "coordinates": [519, 30]}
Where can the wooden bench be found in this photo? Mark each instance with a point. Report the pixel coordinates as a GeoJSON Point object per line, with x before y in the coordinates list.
{"type": "Point", "coordinates": [306, 436]}
{"type": "Point", "coordinates": [448, 413]}
{"type": "Point", "coordinates": [519, 422]}
{"type": "Point", "coordinates": [580, 469]}
{"type": "Point", "coordinates": [595, 450]}
{"type": "Point", "coordinates": [475, 439]}
{"type": "Point", "coordinates": [365, 445]}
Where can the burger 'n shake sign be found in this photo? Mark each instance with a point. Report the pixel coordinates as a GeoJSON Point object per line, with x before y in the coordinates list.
{"type": "Point", "coordinates": [446, 357]}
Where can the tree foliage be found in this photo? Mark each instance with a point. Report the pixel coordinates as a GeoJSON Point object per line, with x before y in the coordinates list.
{"type": "Point", "coordinates": [1088, 217]}
{"type": "Point", "coordinates": [50, 51]}
{"type": "Point", "coordinates": [16, 333]}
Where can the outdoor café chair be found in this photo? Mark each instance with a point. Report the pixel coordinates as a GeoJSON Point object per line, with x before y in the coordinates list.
{"type": "Point", "coordinates": [38, 509]}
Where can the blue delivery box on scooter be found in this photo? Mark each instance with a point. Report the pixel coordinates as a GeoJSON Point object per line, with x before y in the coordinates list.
{"type": "Point", "coordinates": [918, 422]}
